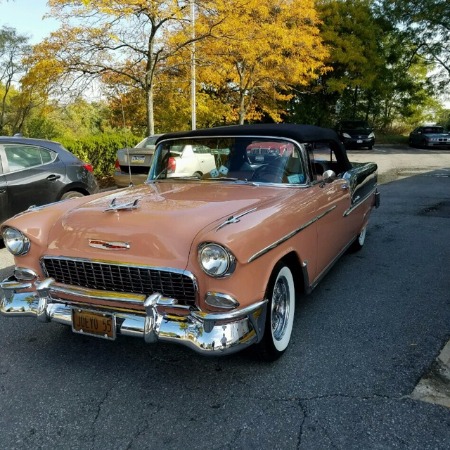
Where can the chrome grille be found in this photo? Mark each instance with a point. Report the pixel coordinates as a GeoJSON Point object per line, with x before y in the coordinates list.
{"type": "Point", "coordinates": [121, 278]}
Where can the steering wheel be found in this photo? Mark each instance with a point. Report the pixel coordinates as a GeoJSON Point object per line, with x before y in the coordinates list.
{"type": "Point", "coordinates": [268, 173]}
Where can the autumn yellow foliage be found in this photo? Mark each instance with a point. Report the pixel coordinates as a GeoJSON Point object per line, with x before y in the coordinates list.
{"type": "Point", "coordinates": [248, 54]}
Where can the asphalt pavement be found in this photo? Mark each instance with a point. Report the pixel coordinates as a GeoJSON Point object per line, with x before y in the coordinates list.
{"type": "Point", "coordinates": [394, 163]}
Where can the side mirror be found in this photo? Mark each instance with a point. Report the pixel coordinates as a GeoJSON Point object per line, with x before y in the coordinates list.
{"type": "Point", "coordinates": [329, 176]}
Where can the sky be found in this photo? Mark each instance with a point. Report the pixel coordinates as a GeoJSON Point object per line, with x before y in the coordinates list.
{"type": "Point", "coordinates": [26, 16]}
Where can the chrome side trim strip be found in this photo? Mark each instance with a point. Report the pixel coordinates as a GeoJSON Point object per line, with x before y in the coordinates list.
{"type": "Point", "coordinates": [288, 236]}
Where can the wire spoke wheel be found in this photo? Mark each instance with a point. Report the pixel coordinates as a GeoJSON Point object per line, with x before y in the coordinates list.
{"type": "Point", "coordinates": [280, 308]}
{"type": "Point", "coordinates": [280, 313]}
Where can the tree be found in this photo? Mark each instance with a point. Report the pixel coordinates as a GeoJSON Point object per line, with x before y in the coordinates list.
{"type": "Point", "coordinates": [424, 27]}
{"type": "Point", "coordinates": [352, 36]}
{"type": "Point", "coordinates": [125, 38]}
{"type": "Point", "coordinates": [258, 50]}
{"type": "Point", "coordinates": [13, 48]}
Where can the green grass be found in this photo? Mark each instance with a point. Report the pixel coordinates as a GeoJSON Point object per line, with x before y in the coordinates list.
{"type": "Point", "coordinates": [382, 138]}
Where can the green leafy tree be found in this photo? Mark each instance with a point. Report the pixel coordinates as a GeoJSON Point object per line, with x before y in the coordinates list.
{"type": "Point", "coordinates": [13, 48]}
{"type": "Point", "coordinates": [423, 27]}
{"type": "Point", "coordinates": [352, 36]}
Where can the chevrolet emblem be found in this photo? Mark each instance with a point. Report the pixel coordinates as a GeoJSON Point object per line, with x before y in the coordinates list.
{"type": "Point", "coordinates": [105, 245]}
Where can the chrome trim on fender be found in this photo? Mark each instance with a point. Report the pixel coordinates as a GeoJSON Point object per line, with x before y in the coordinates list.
{"type": "Point", "coordinates": [234, 219]}
{"type": "Point", "coordinates": [206, 333]}
{"type": "Point", "coordinates": [288, 236]}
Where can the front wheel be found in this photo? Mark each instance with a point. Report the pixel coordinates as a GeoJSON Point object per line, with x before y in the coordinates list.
{"type": "Point", "coordinates": [280, 313]}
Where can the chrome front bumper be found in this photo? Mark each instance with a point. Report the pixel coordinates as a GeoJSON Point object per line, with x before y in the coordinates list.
{"type": "Point", "coordinates": [206, 333]}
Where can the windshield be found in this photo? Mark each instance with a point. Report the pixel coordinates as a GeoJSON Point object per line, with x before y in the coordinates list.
{"type": "Point", "coordinates": [229, 158]}
{"type": "Point", "coordinates": [438, 130]}
{"type": "Point", "coordinates": [355, 125]}
{"type": "Point", "coordinates": [148, 142]}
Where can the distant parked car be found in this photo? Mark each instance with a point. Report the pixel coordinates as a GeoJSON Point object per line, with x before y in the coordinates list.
{"type": "Point", "coordinates": [37, 172]}
{"type": "Point", "coordinates": [189, 161]}
{"type": "Point", "coordinates": [132, 164]}
{"type": "Point", "coordinates": [262, 151]}
{"type": "Point", "coordinates": [429, 137]}
{"type": "Point", "coordinates": [356, 134]}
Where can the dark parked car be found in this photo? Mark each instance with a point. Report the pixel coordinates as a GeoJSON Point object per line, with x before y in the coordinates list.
{"type": "Point", "coordinates": [37, 172]}
{"type": "Point", "coordinates": [356, 134]}
{"type": "Point", "coordinates": [132, 164]}
{"type": "Point", "coordinates": [429, 137]}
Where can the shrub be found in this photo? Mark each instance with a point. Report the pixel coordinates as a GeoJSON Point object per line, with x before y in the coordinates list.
{"type": "Point", "coordinates": [100, 150]}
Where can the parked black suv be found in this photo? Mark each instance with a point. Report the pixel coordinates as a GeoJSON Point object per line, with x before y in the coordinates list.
{"type": "Point", "coordinates": [356, 134]}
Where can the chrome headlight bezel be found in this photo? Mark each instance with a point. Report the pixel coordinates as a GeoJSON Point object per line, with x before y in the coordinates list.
{"type": "Point", "coordinates": [216, 260]}
{"type": "Point", "coordinates": [15, 241]}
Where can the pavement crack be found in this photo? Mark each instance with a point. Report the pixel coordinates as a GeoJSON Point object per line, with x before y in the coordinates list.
{"type": "Point", "coordinates": [304, 409]}
{"type": "Point", "coordinates": [98, 412]}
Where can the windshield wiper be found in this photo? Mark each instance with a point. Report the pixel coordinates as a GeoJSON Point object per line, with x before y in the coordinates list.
{"type": "Point", "coordinates": [222, 179]}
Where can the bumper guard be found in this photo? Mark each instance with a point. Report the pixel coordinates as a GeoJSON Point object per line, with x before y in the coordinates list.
{"type": "Point", "coordinates": [206, 333]}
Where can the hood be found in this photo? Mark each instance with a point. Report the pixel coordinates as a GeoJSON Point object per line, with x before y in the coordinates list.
{"type": "Point", "coordinates": [159, 228]}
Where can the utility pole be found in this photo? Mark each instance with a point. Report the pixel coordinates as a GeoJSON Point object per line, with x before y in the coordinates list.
{"type": "Point", "coordinates": [193, 84]}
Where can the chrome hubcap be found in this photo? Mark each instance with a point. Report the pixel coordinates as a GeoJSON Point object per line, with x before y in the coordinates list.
{"type": "Point", "coordinates": [280, 308]}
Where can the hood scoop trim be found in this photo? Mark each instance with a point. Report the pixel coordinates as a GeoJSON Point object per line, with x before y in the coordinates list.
{"type": "Point", "coordinates": [113, 206]}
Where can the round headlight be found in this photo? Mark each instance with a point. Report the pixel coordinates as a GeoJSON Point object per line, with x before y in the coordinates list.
{"type": "Point", "coordinates": [15, 241]}
{"type": "Point", "coordinates": [216, 260]}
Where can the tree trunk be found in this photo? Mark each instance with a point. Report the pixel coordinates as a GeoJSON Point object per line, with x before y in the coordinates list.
{"type": "Point", "coordinates": [355, 101]}
{"type": "Point", "coordinates": [150, 112]}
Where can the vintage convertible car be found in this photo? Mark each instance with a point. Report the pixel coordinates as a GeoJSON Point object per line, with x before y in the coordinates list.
{"type": "Point", "coordinates": [214, 263]}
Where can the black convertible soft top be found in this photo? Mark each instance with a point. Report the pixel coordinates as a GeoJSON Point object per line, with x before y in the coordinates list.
{"type": "Point", "coordinates": [299, 133]}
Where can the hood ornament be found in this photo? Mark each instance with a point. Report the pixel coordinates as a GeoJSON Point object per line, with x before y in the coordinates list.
{"type": "Point", "coordinates": [122, 206]}
{"type": "Point", "coordinates": [105, 245]}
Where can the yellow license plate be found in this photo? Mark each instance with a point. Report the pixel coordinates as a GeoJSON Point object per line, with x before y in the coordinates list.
{"type": "Point", "coordinates": [94, 323]}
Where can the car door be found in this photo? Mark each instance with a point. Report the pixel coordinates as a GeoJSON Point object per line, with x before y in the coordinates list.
{"type": "Point", "coordinates": [32, 176]}
{"type": "Point", "coordinates": [334, 228]}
